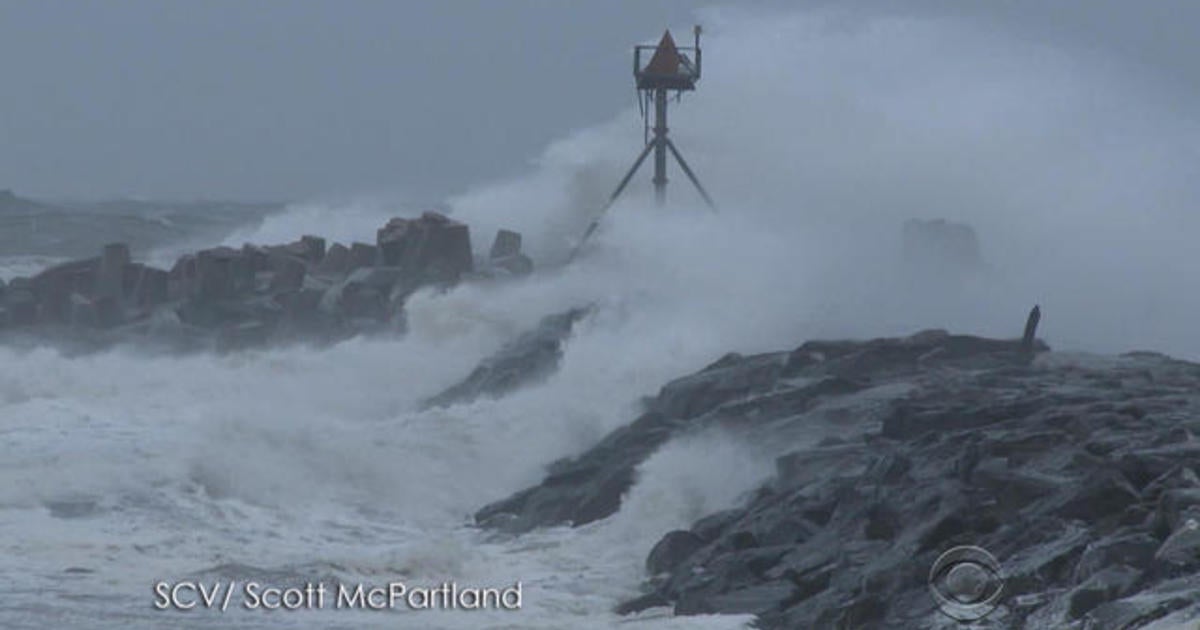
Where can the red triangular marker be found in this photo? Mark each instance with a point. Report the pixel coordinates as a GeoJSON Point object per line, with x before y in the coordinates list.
{"type": "Point", "coordinates": [666, 57]}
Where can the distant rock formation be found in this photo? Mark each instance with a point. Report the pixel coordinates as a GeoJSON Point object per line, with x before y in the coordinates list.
{"type": "Point", "coordinates": [1078, 473]}
{"type": "Point", "coordinates": [600, 476]}
{"type": "Point", "coordinates": [229, 298]}
{"type": "Point", "coordinates": [938, 243]}
{"type": "Point", "coordinates": [11, 203]}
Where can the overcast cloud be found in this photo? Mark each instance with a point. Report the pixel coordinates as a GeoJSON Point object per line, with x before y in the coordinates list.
{"type": "Point", "coordinates": [291, 100]}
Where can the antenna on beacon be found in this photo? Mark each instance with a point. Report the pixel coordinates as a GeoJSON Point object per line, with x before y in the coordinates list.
{"type": "Point", "coordinates": [667, 68]}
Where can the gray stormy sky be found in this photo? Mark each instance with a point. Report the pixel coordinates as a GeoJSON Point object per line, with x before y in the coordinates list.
{"type": "Point", "coordinates": [288, 100]}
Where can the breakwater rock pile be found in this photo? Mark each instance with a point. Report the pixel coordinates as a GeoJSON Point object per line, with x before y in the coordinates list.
{"type": "Point", "coordinates": [1078, 474]}
{"type": "Point", "coordinates": [526, 360]}
{"type": "Point", "coordinates": [227, 298]}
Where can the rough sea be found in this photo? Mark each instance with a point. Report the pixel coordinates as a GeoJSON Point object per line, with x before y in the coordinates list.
{"type": "Point", "coordinates": [299, 465]}
{"type": "Point", "coordinates": [120, 471]}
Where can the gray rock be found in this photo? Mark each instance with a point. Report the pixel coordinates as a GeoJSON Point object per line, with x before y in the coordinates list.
{"type": "Point", "coordinates": [672, 550]}
{"type": "Point", "coordinates": [364, 294]}
{"type": "Point", "coordinates": [433, 247]}
{"type": "Point", "coordinates": [731, 378]}
{"type": "Point", "coordinates": [1104, 586]}
{"type": "Point", "coordinates": [288, 272]}
{"type": "Point", "coordinates": [53, 288]}
{"type": "Point", "coordinates": [1104, 494]}
{"type": "Point", "coordinates": [310, 249]}
{"type": "Point", "coordinates": [1132, 550]}
{"type": "Point", "coordinates": [515, 265]}
{"type": "Point", "coordinates": [218, 275]}
{"type": "Point", "coordinates": [251, 334]}
{"type": "Point", "coordinates": [20, 305]}
{"type": "Point", "coordinates": [83, 312]}
{"type": "Point", "coordinates": [1182, 547]}
{"type": "Point", "coordinates": [652, 599]}
{"type": "Point", "coordinates": [20, 282]}
{"type": "Point", "coordinates": [529, 359]}
{"type": "Point", "coordinates": [712, 526]}
{"type": "Point", "coordinates": [1154, 602]}
{"type": "Point", "coordinates": [363, 255]}
{"type": "Point", "coordinates": [110, 275]}
{"type": "Point", "coordinates": [379, 278]}
{"type": "Point", "coordinates": [151, 286]}
{"type": "Point", "coordinates": [314, 248]}
{"type": "Point", "coordinates": [506, 244]}
{"type": "Point", "coordinates": [181, 278]}
{"type": "Point", "coordinates": [581, 490]}
{"type": "Point", "coordinates": [1176, 506]}
{"type": "Point", "coordinates": [758, 599]}
{"type": "Point", "coordinates": [257, 258]}
{"type": "Point", "coordinates": [337, 260]}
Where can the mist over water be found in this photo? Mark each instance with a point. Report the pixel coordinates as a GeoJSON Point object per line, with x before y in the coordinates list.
{"type": "Point", "coordinates": [824, 133]}
{"type": "Point", "coordinates": [818, 135]}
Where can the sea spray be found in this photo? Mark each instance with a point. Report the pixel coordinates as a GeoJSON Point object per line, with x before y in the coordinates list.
{"type": "Point", "coordinates": [818, 137]}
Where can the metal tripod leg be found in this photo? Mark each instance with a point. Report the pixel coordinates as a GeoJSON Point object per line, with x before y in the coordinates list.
{"type": "Point", "coordinates": [692, 176]}
{"type": "Point", "coordinates": [612, 198]}
{"type": "Point", "coordinates": [628, 176]}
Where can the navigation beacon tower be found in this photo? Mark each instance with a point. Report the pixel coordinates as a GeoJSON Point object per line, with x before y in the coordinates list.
{"type": "Point", "coordinates": [668, 69]}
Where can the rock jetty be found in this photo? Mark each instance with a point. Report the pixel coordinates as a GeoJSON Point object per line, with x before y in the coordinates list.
{"type": "Point", "coordinates": [1079, 474]}
{"type": "Point", "coordinates": [227, 298]}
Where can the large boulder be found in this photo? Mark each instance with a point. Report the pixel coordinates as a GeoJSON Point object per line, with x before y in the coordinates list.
{"type": "Point", "coordinates": [110, 276]}
{"type": "Point", "coordinates": [507, 243]}
{"type": "Point", "coordinates": [505, 257]}
{"type": "Point", "coordinates": [53, 288]}
{"type": "Point", "coordinates": [289, 271]}
{"type": "Point", "coordinates": [220, 273]}
{"type": "Point", "coordinates": [20, 303]}
{"type": "Point", "coordinates": [182, 277]}
{"type": "Point", "coordinates": [433, 248]}
{"type": "Point", "coordinates": [518, 265]}
{"type": "Point", "coordinates": [672, 550]}
{"type": "Point", "coordinates": [363, 255]}
{"type": "Point", "coordinates": [82, 311]}
{"type": "Point", "coordinates": [314, 248]}
{"type": "Point", "coordinates": [310, 249]}
{"type": "Point", "coordinates": [150, 285]}
{"type": "Point", "coordinates": [364, 294]}
{"type": "Point", "coordinates": [337, 260]}
{"type": "Point", "coordinates": [257, 258]}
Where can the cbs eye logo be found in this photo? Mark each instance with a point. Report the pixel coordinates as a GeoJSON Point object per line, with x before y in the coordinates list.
{"type": "Point", "coordinates": [966, 582]}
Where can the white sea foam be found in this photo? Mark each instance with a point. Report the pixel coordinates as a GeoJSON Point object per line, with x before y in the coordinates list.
{"type": "Point", "coordinates": [25, 266]}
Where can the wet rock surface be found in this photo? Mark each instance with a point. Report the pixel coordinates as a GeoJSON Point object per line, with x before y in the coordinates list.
{"type": "Point", "coordinates": [529, 358]}
{"type": "Point", "coordinates": [226, 298]}
{"type": "Point", "coordinates": [1077, 473]}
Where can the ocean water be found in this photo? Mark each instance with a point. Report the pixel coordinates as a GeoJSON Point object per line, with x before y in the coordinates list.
{"type": "Point", "coordinates": [817, 136]}
{"type": "Point", "coordinates": [123, 470]}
